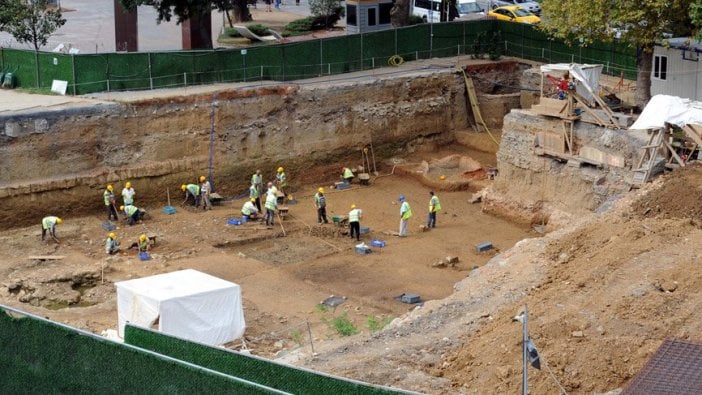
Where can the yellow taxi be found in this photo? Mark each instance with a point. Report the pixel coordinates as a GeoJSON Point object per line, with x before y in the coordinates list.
{"type": "Point", "coordinates": [514, 13]}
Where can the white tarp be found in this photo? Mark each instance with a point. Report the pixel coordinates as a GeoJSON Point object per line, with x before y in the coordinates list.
{"type": "Point", "coordinates": [662, 109]}
{"type": "Point", "coordinates": [187, 304]}
{"type": "Point", "coordinates": [587, 74]}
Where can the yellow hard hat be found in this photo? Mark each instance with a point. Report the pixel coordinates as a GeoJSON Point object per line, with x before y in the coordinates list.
{"type": "Point", "coordinates": [280, 170]}
{"type": "Point", "coordinates": [320, 190]}
{"type": "Point", "coordinates": [353, 206]}
{"type": "Point", "coordinates": [182, 187]}
{"type": "Point", "coordinates": [112, 235]}
{"type": "Point", "coordinates": [128, 185]}
{"type": "Point", "coordinates": [109, 188]}
{"type": "Point", "coordinates": [442, 177]}
{"type": "Point", "coordinates": [142, 237]}
{"type": "Point", "coordinates": [121, 208]}
{"type": "Point", "coordinates": [59, 220]}
{"type": "Point", "coordinates": [253, 200]}
{"type": "Point", "coordinates": [202, 178]}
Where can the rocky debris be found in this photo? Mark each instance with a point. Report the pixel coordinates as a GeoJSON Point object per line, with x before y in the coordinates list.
{"type": "Point", "coordinates": [666, 285]}
{"type": "Point", "coordinates": [325, 231]}
{"type": "Point", "coordinates": [449, 261]}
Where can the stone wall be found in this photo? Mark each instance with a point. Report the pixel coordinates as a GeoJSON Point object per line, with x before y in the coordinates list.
{"type": "Point", "coordinates": [529, 185]}
{"type": "Point", "coordinates": [59, 161]}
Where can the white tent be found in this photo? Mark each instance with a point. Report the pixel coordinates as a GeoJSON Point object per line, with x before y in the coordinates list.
{"type": "Point", "coordinates": [188, 304]}
{"type": "Point", "coordinates": [662, 109]}
{"type": "Point", "coordinates": [588, 76]}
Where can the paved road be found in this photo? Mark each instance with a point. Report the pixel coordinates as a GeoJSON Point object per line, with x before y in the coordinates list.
{"type": "Point", "coordinates": [90, 27]}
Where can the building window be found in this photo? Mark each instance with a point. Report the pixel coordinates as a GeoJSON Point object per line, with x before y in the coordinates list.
{"type": "Point", "coordinates": [351, 14]}
{"type": "Point", "coordinates": [372, 21]}
{"type": "Point", "coordinates": [384, 13]}
{"type": "Point", "coordinates": [660, 67]}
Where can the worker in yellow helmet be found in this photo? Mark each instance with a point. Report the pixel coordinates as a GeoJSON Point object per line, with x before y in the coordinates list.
{"type": "Point", "coordinates": [48, 224]}
{"type": "Point", "coordinates": [144, 243]}
{"type": "Point", "coordinates": [192, 191]}
{"type": "Point", "coordinates": [128, 194]}
{"type": "Point", "coordinates": [111, 244]}
{"type": "Point", "coordinates": [133, 213]}
{"type": "Point", "coordinates": [355, 222]}
{"type": "Point", "coordinates": [347, 175]}
{"type": "Point", "coordinates": [281, 181]}
{"type": "Point", "coordinates": [110, 205]}
{"type": "Point", "coordinates": [271, 205]}
{"type": "Point", "coordinates": [205, 189]}
{"type": "Point", "coordinates": [320, 202]}
{"type": "Point", "coordinates": [249, 210]}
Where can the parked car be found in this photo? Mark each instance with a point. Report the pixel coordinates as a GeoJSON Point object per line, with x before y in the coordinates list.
{"type": "Point", "coordinates": [529, 5]}
{"type": "Point", "coordinates": [514, 13]}
{"type": "Point", "coordinates": [470, 10]}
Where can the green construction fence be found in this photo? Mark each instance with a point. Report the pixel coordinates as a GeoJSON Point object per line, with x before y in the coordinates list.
{"type": "Point", "coordinates": [271, 374]}
{"type": "Point", "coordinates": [40, 356]}
{"type": "Point", "coordinates": [88, 73]}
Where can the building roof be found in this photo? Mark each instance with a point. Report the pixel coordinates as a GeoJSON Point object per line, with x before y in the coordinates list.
{"type": "Point", "coordinates": [675, 368]}
{"type": "Point", "coordinates": [685, 43]}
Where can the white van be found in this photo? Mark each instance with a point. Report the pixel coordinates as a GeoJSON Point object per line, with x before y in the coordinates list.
{"type": "Point", "coordinates": [430, 10]}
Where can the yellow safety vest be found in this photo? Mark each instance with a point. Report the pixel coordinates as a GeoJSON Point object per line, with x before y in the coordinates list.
{"type": "Point", "coordinates": [434, 202]}
{"type": "Point", "coordinates": [405, 210]}
{"type": "Point", "coordinates": [354, 215]}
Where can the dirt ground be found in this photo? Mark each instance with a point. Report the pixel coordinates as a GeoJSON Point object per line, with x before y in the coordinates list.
{"type": "Point", "coordinates": [283, 278]}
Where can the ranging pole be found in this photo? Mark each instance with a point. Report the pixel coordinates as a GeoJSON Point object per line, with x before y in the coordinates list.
{"type": "Point", "coordinates": [525, 339]}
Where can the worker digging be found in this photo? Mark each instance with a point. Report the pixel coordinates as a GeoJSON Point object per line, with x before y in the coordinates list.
{"type": "Point", "coordinates": [192, 192]}
{"type": "Point", "coordinates": [249, 211]}
{"type": "Point", "coordinates": [354, 222]}
{"type": "Point", "coordinates": [347, 174]}
{"type": "Point", "coordinates": [133, 214]}
{"type": "Point", "coordinates": [281, 181]}
{"type": "Point", "coordinates": [111, 244]}
{"type": "Point", "coordinates": [48, 225]}
{"type": "Point", "coordinates": [110, 205]}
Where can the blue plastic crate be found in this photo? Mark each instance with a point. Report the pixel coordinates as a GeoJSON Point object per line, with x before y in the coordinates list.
{"type": "Point", "coordinates": [363, 250]}
{"type": "Point", "coordinates": [234, 221]}
{"type": "Point", "coordinates": [109, 226]}
{"type": "Point", "coordinates": [169, 210]}
{"type": "Point", "coordinates": [484, 246]}
{"type": "Point", "coordinates": [378, 243]}
{"type": "Point", "coordinates": [144, 256]}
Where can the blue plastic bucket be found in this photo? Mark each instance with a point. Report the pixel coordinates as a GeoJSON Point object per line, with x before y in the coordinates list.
{"type": "Point", "coordinates": [144, 256]}
{"type": "Point", "coordinates": [233, 221]}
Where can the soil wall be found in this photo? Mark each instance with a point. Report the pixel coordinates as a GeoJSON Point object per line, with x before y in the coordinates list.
{"type": "Point", "coordinates": [530, 187]}
{"type": "Point", "coordinates": [59, 161]}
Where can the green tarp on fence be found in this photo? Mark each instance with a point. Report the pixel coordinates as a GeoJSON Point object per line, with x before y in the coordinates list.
{"type": "Point", "coordinates": [39, 356]}
{"type": "Point", "coordinates": [259, 370]}
{"type": "Point", "coordinates": [87, 73]}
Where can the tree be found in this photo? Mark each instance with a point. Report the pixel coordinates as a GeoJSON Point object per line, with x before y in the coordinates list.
{"type": "Point", "coordinates": [637, 22]}
{"type": "Point", "coordinates": [327, 12]}
{"type": "Point", "coordinates": [30, 21]}
{"type": "Point", "coordinates": [194, 10]}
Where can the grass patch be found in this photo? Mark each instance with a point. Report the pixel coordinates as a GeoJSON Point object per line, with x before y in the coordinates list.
{"type": "Point", "coordinates": [296, 336]}
{"type": "Point", "coordinates": [343, 325]}
{"type": "Point", "coordinates": [375, 324]}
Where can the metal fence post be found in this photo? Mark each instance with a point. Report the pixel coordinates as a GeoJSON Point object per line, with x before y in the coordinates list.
{"type": "Point", "coordinates": [185, 79]}
{"type": "Point", "coordinates": [361, 51]}
{"type": "Point", "coordinates": [151, 79]}
{"type": "Point", "coordinates": [73, 70]}
{"type": "Point", "coordinates": [36, 67]}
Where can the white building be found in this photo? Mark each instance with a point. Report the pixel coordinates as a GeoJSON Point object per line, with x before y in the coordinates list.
{"type": "Point", "coordinates": [677, 70]}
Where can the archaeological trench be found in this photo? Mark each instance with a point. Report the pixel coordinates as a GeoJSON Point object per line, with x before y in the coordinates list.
{"type": "Point", "coordinates": [55, 157]}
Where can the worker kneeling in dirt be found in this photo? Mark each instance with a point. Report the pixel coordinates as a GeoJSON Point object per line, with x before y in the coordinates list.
{"type": "Point", "coordinates": [133, 213]}
{"type": "Point", "coordinates": [144, 243]}
{"type": "Point", "coordinates": [347, 174]}
{"type": "Point", "coordinates": [192, 191]}
{"type": "Point", "coordinates": [111, 244]}
{"type": "Point", "coordinates": [249, 210]}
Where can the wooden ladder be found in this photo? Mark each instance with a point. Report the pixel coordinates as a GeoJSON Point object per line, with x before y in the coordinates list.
{"type": "Point", "coordinates": [642, 172]}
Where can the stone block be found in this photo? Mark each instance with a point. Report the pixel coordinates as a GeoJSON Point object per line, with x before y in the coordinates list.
{"type": "Point", "coordinates": [13, 129]}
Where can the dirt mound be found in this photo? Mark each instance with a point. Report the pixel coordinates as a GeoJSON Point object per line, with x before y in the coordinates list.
{"type": "Point", "coordinates": [680, 197]}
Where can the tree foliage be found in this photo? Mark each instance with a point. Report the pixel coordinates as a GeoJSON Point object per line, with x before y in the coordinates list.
{"type": "Point", "coordinates": [641, 23]}
{"type": "Point", "coordinates": [324, 7]}
{"type": "Point", "coordinates": [30, 21]}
